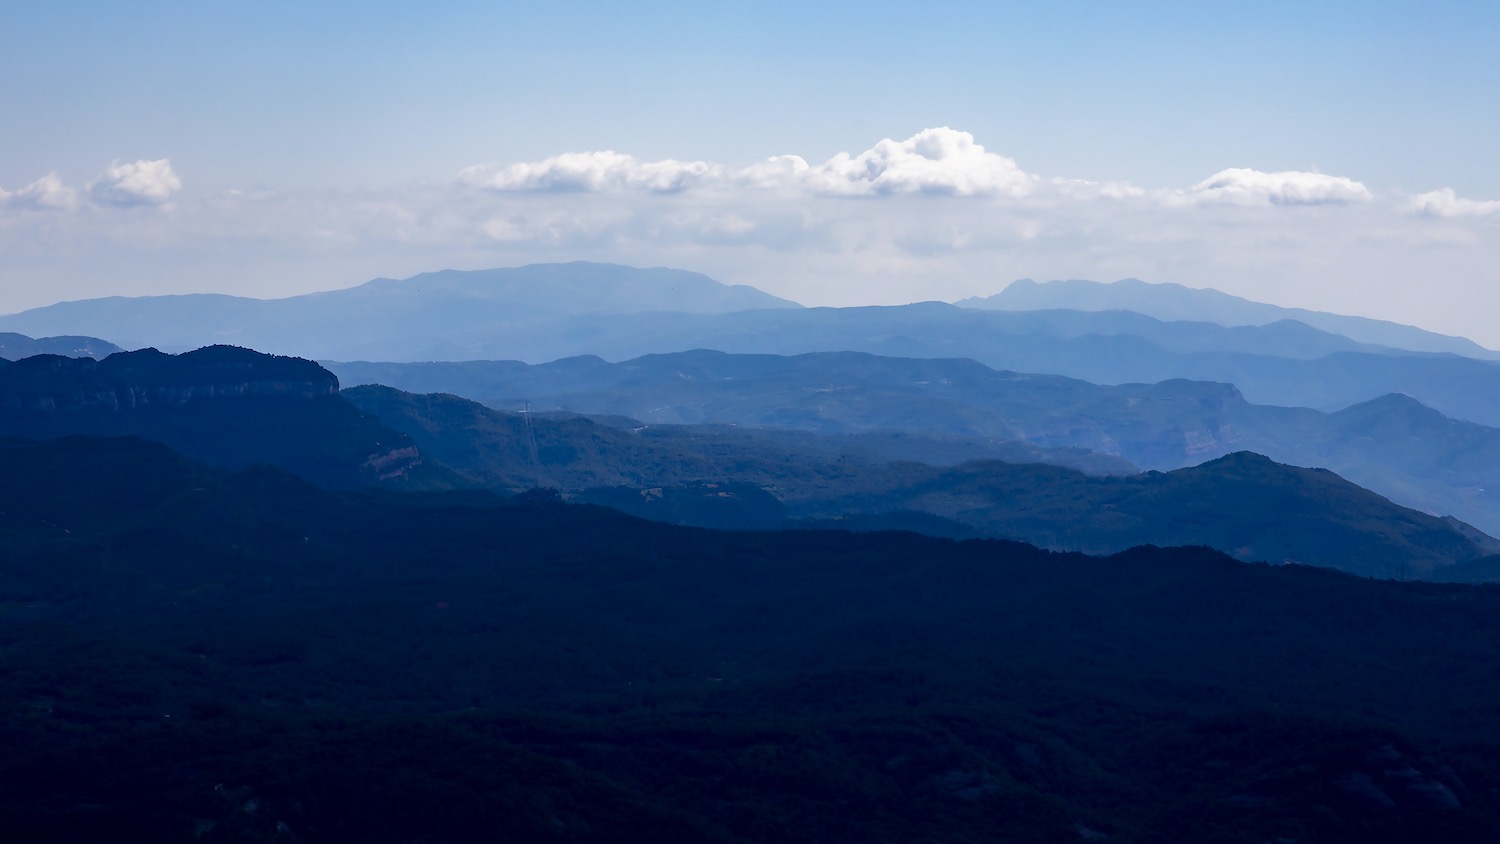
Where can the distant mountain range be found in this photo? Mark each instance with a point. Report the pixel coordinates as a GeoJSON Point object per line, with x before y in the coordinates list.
{"type": "Point", "coordinates": [547, 312]}
{"type": "Point", "coordinates": [1174, 302]}
{"type": "Point", "coordinates": [1393, 445]}
{"type": "Point", "coordinates": [495, 448]}
{"type": "Point", "coordinates": [17, 346]}
{"type": "Point", "coordinates": [230, 590]}
{"type": "Point", "coordinates": [713, 476]}
{"type": "Point", "coordinates": [237, 408]}
{"type": "Point", "coordinates": [435, 310]}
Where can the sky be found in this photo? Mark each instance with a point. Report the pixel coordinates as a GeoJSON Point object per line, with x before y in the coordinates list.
{"type": "Point", "coordinates": [1336, 156]}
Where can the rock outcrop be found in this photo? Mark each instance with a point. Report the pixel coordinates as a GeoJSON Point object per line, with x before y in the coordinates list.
{"type": "Point", "coordinates": [224, 405]}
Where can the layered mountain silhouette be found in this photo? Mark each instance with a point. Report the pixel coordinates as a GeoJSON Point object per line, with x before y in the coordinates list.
{"type": "Point", "coordinates": [1244, 505]}
{"type": "Point", "coordinates": [518, 451]}
{"type": "Point", "coordinates": [194, 654]}
{"type": "Point", "coordinates": [223, 405]}
{"type": "Point", "coordinates": [17, 346]}
{"type": "Point", "coordinates": [728, 477]}
{"type": "Point", "coordinates": [237, 408]}
{"type": "Point", "coordinates": [547, 312]}
{"type": "Point", "coordinates": [1176, 302]}
{"type": "Point", "coordinates": [434, 310]}
{"type": "Point", "coordinates": [1393, 445]}
{"type": "Point", "coordinates": [230, 590]}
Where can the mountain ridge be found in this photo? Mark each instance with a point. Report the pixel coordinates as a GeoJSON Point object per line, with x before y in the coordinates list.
{"type": "Point", "coordinates": [1171, 301]}
{"type": "Point", "coordinates": [223, 405]}
{"type": "Point", "coordinates": [1434, 463]}
{"type": "Point", "coordinates": [368, 311]}
{"type": "Point", "coordinates": [1283, 363]}
{"type": "Point", "coordinates": [17, 346]}
{"type": "Point", "coordinates": [1242, 504]}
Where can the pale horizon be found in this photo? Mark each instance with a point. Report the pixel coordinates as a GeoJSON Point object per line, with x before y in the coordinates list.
{"type": "Point", "coordinates": [1330, 159]}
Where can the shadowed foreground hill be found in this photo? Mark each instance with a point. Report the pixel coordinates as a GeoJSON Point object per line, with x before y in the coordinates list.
{"type": "Point", "coordinates": [573, 452]}
{"type": "Point", "coordinates": [226, 406]}
{"type": "Point", "coordinates": [194, 655]}
{"type": "Point", "coordinates": [1243, 504]}
{"type": "Point", "coordinates": [1393, 445]}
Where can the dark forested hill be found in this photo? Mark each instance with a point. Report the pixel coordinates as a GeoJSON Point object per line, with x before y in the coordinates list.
{"type": "Point", "coordinates": [495, 447]}
{"type": "Point", "coordinates": [194, 655]}
{"type": "Point", "coordinates": [1393, 445]}
{"type": "Point", "coordinates": [1243, 504]}
{"type": "Point", "coordinates": [223, 405]}
{"type": "Point", "coordinates": [724, 476]}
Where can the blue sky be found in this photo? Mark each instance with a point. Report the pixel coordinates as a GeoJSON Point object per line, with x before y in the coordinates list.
{"type": "Point", "coordinates": [311, 146]}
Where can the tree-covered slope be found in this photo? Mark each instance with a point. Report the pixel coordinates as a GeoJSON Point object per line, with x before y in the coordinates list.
{"type": "Point", "coordinates": [1393, 444]}
{"type": "Point", "coordinates": [195, 655]}
{"type": "Point", "coordinates": [1242, 504]}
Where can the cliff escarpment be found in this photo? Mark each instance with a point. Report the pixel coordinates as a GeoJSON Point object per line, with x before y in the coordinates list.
{"type": "Point", "coordinates": [226, 406]}
{"type": "Point", "coordinates": [126, 380]}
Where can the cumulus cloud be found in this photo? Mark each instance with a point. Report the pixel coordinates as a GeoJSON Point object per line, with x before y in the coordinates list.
{"type": "Point", "coordinates": [593, 171]}
{"type": "Point", "coordinates": [44, 194]}
{"type": "Point", "coordinates": [1244, 186]}
{"type": "Point", "coordinates": [935, 161]}
{"type": "Point", "coordinates": [140, 183]}
{"type": "Point", "coordinates": [942, 161]}
{"type": "Point", "coordinates": [1444, 202]}
{"type": "Point", "coordinates": [936, 216]}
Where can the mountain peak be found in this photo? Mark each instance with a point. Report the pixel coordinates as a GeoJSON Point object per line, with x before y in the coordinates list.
{"type": "Point", "coordinates": [1176, 302]}
{"type": "Point", "coordinates": [16, 346]}
{"type": "Point", "coordinates": [578, 287]}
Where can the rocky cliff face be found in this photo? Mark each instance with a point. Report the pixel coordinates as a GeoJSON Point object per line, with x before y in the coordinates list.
{"type": "Point", "coordinates": [224, 405]}
{"type": "Point", "coordinates": [127, 380]}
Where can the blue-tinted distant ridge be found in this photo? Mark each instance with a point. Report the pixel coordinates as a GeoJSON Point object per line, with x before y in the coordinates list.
{"type": "Point", "coordinates": [1176, 302]}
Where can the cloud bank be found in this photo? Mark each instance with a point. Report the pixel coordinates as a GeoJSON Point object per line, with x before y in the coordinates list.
{"type": "Point", "coordinates": [592, 171]}
{"type": "Point", "coordinates": [1243, 186]}
{"type": "Point", "coordinates": [934, 216]}
{"type": "Point", "coordinates": [1445, 203]}
{"type": "Point", "coordinates": [939, 161]}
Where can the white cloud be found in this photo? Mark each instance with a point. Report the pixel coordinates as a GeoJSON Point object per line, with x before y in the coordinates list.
{"type": "Point", "coordinates": [940, 161]}
{"type": "Point", "coordinates": [778, 171]}
{"type": "Point", "coordinates": [1244, 186]}
{"type": "Point", "coordinates": [46, 193]}
{"type": "Point", "coordinates": [934, 161]}
{"type": "Point", "coordinates": [945, 219]}
{"type": "Point", "coordinates": [593, 171]}
{"type": "Point", "coordinates": [140, 183]}
{"type": "Point", "coordinates": [1445, 203]}
{"type": "Point", "coordinates": [1086, 189]}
